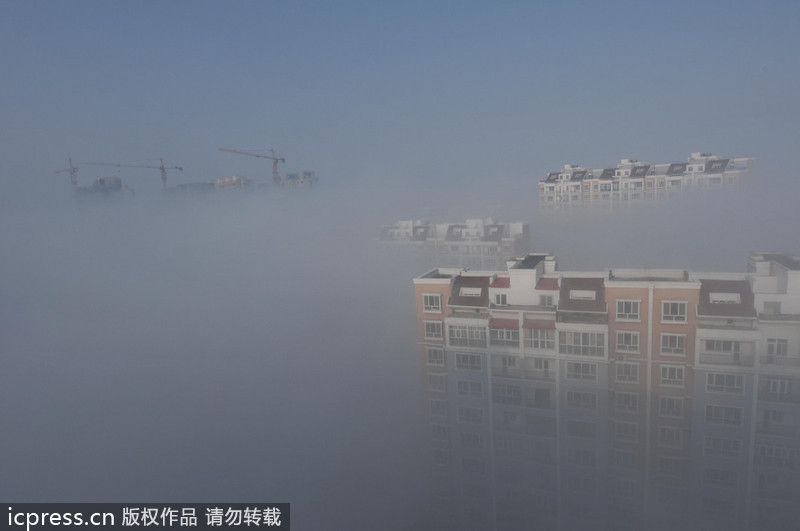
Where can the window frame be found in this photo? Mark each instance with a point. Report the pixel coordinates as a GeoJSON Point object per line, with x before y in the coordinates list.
{"type": "Point", "coordinates": [428, 308]}
{"type": "Point", "coordinates": [673, 350]}
{"type": "Point", "coordinates": [429, 335]}
{"type": "Point", "coordinates": [669, 318]}
{"type": "Point", "coordinates": [630, 316]}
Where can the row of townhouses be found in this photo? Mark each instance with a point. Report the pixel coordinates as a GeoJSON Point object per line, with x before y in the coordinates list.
{"type": "Point", "coordinates": [622, 399]}
{"type": "Point", "coordinates": [633, 180]}
{"type": "Point", "coordinates": [480, 243]}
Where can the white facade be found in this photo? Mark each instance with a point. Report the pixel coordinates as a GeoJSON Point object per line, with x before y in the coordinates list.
{"type": "Point", "coordinates": [477, 243]}
{"type": "Point", "coordinates": [633, 180]}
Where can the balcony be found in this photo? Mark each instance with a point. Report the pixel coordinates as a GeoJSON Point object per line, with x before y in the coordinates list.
{"type": "Point", "coordinates": [507, 372]}
{"type": "Point", "coordinates": [779, 361]}
{"type": "Point", "coordinates": [546, 375]}
{"type": "Point", "coordinates": [471, 343]}
{"type": "Point", "coordinates": [774, 428]}
{"type": "Point", "coordinates": [732, 360]}
{"type": "Point", "coordinates": [779, 398]}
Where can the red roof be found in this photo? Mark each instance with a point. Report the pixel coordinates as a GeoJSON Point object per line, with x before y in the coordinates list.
{"type": "Point", "coordinates": [504, 323]}
{"type": "Point", "coordinates": [547, 284]}
{"type": "Point", "coordinates": [501, 282]}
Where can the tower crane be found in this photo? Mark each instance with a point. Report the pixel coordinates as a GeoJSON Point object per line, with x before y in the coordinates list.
{"type": "Point", "coordinates": [159, 167]}
{"type": "Point", "coordinates": [276, 177]}
{"type": "Point", "coordinates": [73, 175]}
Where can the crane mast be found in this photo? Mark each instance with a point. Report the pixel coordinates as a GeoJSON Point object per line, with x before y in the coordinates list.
{"type": "Point", "coordinates": [73, 175]}
{"type": "Point", "coordinates": [276, 177]}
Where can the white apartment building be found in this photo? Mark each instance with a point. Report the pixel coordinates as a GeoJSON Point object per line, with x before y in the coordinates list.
{"type": "Point", "coordinates": [634, 180]}
{"type": "Point", "coordinates": [479, 243]}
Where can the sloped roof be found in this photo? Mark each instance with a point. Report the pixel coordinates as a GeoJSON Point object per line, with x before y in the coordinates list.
{"type": "Point", "coordinates": [740, 288]}
{"type": "Point", "coordinates": [480, 285]}
{"type": "Point", "coordinates": [569, 285]}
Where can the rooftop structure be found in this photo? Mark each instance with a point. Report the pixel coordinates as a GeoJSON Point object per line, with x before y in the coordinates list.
{"type": "Point", "coordinates": [633, 180]}
{"type": "Point", "coordinates": [480, 243]}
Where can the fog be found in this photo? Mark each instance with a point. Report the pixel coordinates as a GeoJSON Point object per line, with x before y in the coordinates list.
{"type": "Point", "coordinates": [260, 344]}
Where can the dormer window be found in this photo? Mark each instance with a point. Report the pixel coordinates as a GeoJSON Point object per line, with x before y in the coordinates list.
{"type": "Point", "coordinates": [582, 295]}
{"type": "Point", "coordinates": [469, 292]}
{"type": "Point", "coordinates": [725, 298]}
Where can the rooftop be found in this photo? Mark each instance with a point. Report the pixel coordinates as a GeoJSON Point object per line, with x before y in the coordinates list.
{"type": "Point", "coordinates": [648, 275]}
{"type": "Point", "coordinates": [726, 298]}
{"type": "Point", "coordinates": [582, 295]}
{"type": "Point", "coordinates": [470, 291]}
{"type": "Point", "coordinates": [529, 262]}
{"type": "Point", "coordinates": [785, 259]}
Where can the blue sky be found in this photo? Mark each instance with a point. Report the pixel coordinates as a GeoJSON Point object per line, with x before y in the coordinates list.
{"type": "Point", "coordinates": [415, 91]}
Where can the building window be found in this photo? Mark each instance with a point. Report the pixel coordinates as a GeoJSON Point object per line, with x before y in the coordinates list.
{"type": "Point", "coordinates": [670, 406]}
{"type": "Point", "coordinates": [721, 446]}
{"type": "Point", "coordinates": [581, 457]}
{"type": "Point", "coordinates": [670, 436]}
{"type": "Point", "coordinates": [501, 299]}
{"type": "Point", "coordinates": [627, 402]}
{"type": "Point", "coordinates": [545, 300]}
{"type": "Point", "coordinates": [504, 337]}
{"type": "Point", "coordinates": [673, 312]}
{"type": "Point", "coordinates": [626, 431]}
{"type": "Point", "coordinates": [626, 459]}
{"type": "Point", "coordinates": [673, 344]}
{"type": "Point", "coordinates": [581, 371]}
{"type": "Point", "coordinates": [628, 341]}
{"type": "Point", "coordinates": [507, 394]}
{"type": "Point", "coordinates": [776, 389]}
{"type": "Point", "coordinates": [438, 409]}
{"type": "Point", "coordinates": [582, 294]}
{"type": "Point", "coordinates": [720, 477]}
{"type": "Point", "coordinates": [775, 455]}
{"type": "Point", "coordinates": [435, 357]}
{"type": "Point", "coordinates": [433, 330]}
{"type": "Point", "coordinates": [672, 375]}
{"type": "Point", "coordinates": [724, 383]}
{"type": "Point", "coordinates": [440, 433]}
{"type": "Point", "coordinates": [542, 367]}
{"type": "Point", "coordinates": [540, 338]}
{"type": "Point", "coordinates": [470, 388]}
{"type": "Point", "coordinates": [669, 466]}
{"type": "Point", "coordinates": [581, 400]}
{"type": "Point", "coordinates": [468, 362]}
{"type": "Point", "coordinates": [627, 310]}
{"type": "Point", "coordinates": [777, 347]}
{"type": "Point", "coordinates": [471, 415]}
{"type": "Point", "coordinates": [628, 372]}
{"type": "Point", "coordinates": [578, 428]}
{"type": "Point", "coordinates": [437, 382]}
{"type": "Point", "coordinates": [471, 440]}
{"type": "Point", "coordinates": [725, 347]}
{"type": "Point", "coordinates": [467, 336]}
{"type": "Point", "coordinates": [727, 415]}
{"type": "Point", "coordinates": [431, 303]}
{"type": "Point", "coordinates": [581, 343]}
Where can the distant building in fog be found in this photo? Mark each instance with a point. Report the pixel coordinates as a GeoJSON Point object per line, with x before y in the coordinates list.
{"type": "Point", "coordinates": [474, 243]}
{"type": "Point", "coordinates": [615, 399]}
{"type": "Point", "coordinates": [633, 180]}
